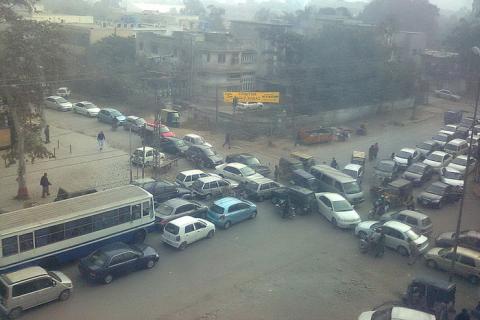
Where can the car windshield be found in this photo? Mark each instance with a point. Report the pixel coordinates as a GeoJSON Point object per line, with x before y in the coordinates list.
{"type": "Point", "coordinates": [115, 113]}
{"type": "Point", "coordinates": [98, 258]}
{"type": "Point", "coordinates": [351, 187]}
{"type": "Point", "coordinates": [383, 314]}
{"type": "Point", "coordinates": [412, 235]}
{"type": "Point", "coordinates": [252, 161]}
{"type": "Point", "coordinates": [342, 205]}
{"type": "Point", "coordinates": [386, 166]}
{"type": "Point", "coordinates": [138, 153]}
{"type": "Point", "coordinates": [351, 173]}
{"type": "Point", "coordinates": [164, 209]}
{"type": "Point", "coordinates": [425, 146]}
{"type": "Point", "coordinates": [61, 100]}
{"type": "Point", "coordinates": [460, 161]}
{"type": "Point", "coordinates": [197, 185]}
{"type": "Point", "coordinates": [247, 171]}
{"type": "Point", "coordinates": [217, 209]}
{"type": "Point", "coordinates": [54, 276]}
{"type": "Point", "coordinates": [416, 169]}
{"type": "Point", "coordinates": [453, 175]}
{"type": "Point", "coordinates": [435, 157]}
{"type": "Point", "coordinates": [439, 191]}
{"type": "Point", "coordinates": [404, 154]}
{"type": "Point", "coordinates": [440, 137]}
{"type": "Point", "coordinates": [209, 151]}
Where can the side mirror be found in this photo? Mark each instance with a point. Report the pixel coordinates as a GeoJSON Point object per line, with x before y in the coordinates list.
{"type": "Point", "coordinates": [54, 283]}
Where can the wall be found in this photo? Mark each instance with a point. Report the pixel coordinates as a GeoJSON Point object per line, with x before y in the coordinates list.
{"type": "Point", "coordinates": [62, 18]}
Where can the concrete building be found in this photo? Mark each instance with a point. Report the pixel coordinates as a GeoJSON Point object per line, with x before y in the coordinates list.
{"type": "Point", "coordinates": [61, 18]}
{"type": "Point", "coordinates": [442, 70]}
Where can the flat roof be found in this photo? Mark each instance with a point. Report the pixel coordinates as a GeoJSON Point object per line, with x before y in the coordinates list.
{"type": "Point", "coordinates": [23, 274]}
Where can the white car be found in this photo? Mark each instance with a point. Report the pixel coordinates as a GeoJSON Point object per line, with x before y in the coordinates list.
{"type": "Point", "coordinates": [460, 164]}
{"type": "Point", "coordinates": [86, 108]}
{"type": "Point", "coordinates": [403, 156]}
{"type": "Point", "coordinates": [58, 103]}
{"type": "Point", "coordinates": [337, 210]}
{"type": "Point", "coordinates": [237, 171]}
{"type": "Point", "coordinates": [245, 106]}
{"type": "Point", "coordinates": [449, 129]}
{"type": "Point", "coordinates": [63, 92]}
{"type": "Point", "coordinates": [192, 139]}
{"type": "Point", "coordinates": [397, 235]}
{"type": "Point", "coordinates": [188, 177]}
{"type": "Point", "coordinates": [442, 139]}
{"type": "Point", "coordinates": [447, 94]}
{"type": "Point", "coordinates": [452, 177]}
{"type": "Point", "coordinates": [186, 230]}
{"type": "Point", "coordinates": [438, 160]}
{"type": "Point", "coordinates": [151, 156]}
{"type": "Point", "coordinates": [396, 313]}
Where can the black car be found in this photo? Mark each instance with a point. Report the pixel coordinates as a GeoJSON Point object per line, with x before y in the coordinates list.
{"type": "Point", "coordinates": [249, 160]}
{"type": "Point", "coordinates": [176, 208]}
{"type": "Point", "coordinates": [437, 194]}
{"type": "Point", "coordinates": [207, 156]}
{"type": "Point", "coordinates": [467, 239]}
{"type": "Point", "coordinates": [173, 145]}
{"type": "Point", "coordinates": [115, 259]}
{"type": "Point", "coordinates": [418, 173]}
{"type": "Point", "coordinates": [387, 170]}
{"type": "Point", "coordinates": [427, 147]}
{"type": "Point", "coordinates": [163, 190]}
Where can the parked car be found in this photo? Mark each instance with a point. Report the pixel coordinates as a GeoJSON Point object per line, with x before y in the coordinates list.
{"type": "Point", "coordinates": [469, 121]}
{"type": "Point", "coordinates": [147, 155]}
{"type": "Point", "coordinates": [397, 235]}
{"type": "Point", "coordinates": [442, 139]}
{"type": "Point", "coordinates": [452, 177]}
{"type": "Point", "coordinates": [30, 287]}
{"type": "Point", "coordinates": [467, 262]}
{"type": "Point", "coordinates": [449, 129]}
{"type": "Point", "coordinates": [109, 115]}
{"type": "Point", "coordinates": [427, 147]}
{"type": "Point", "coordinates": [405, 157]}
{"type": "Point", "coordinates": [192, 139]}
{"type": "Point", "coordinates": [227, 211]}
{"type": "Point", "coordinates": [468, 239]}
{"type": "Point", "coordinates": [396, 313]}
{"type": "Point", "coordinates": [305, 179]}
{"type": "Point", "coordinates": [438, 194]}
{"type": "Point", "coordinates": [86, 108]}
{"type": "Point", "coordinates": [420, 222]}
{"type": "Point", "coordinates": [260, 188]}
{"type": "Point", "coordinates": [447, 94]}
{"type": "Point", "coordinates": [249, 160]}
{"type": "Point", "coordinates": [58, 103]}
{"type": "Point", "coordinates": [115, 259]}
{"type": "Point", "coordinates": [188, 177]}
{"type": "Point", "coordinates": [460, 164]}
{"type": "Point", "coordinates": [204, 156]}
{"type": "Point", "coordinates": [418, 173]}
{"type": "Point", "coordinates": [237, 171]}
{"type": "Point", "coordinates": [212, 186]}
{"type": "Point", "coordinates": [134, 123]}
{"type": "Point", "coordinates": [173, 145]}
{"type": "Point", "coordinates": [63, 92]}
{"type": "Point", "coordinates": [355, 171]}
{"type": "Point", "coordinates": [386, 170]}
{"type": "Point", "coordinates": [176, 208]}
{"type": "Point", "coordinates": [165, 131]}
{"type": "Point", "coordinates": [337, 210]}
{"type": "Point", "coordinates": [438, 160]}
{"type": "Point", "coordinates": [456, 147]}
{"type": "Point", "coordinates": [163, 190]}
{"type": "Point", "coordinates": [186, 230]}
{"type": "Point", "coordinates": [246, 106]}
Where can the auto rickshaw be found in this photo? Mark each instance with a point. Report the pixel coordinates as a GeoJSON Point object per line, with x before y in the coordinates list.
{"type": "Point", "coordinates": [302, 199]}
{"type": "Point", "coordinates": [313, 136]}
{"type": "Point", "coordinates": [286, 166]}
{"type": "Point", "coordinates": [425, 291]}
{"type": "Point", "coordinates": [398, 193]}
{"type": "Point", "coordinates": [307, 160]}
{"type": "Point", "coordinates": [358, 157]}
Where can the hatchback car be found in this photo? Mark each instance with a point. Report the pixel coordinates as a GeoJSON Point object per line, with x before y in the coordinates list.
{"type": "Point", "coordinates": [261, 188]}
{"type": "Point", "coordinates": [109, 115]}
{"type": "Point", "coordinates": [452, 177]}
{"type": "Point", "coordinates": [204, 155]}
{"type": "Point", "coordinates": [467, 261]}
{"type": "Point", "coordinates": [86, 108]}
{"type": "Point", "coordinates": [147, 156]}
{"type": "Point", "coordinates": [227, 211]}
{"type": "Point", "coordinates": [427, 147]}
{"type": "Point", "coordinates": [115, 259]}
{"type": "Point", "coordinates": [58, 103]}
{"type": "Point", "coordinates": [437, 160]}
{"type": "Point", "coordinates": [134, 123]}
{"type": "Point", "coordinates": [468, 239]}
{"type": "Point", "coordinates": [437, 194]}
{"type": "Point", "coordinates": [406, 156]}
{"type": "Point", "coordinates": [188, 177]}
{"type": "Point", "coordinates": [337, 210]}
{"type": "Point", "coordinates": [460, 164]}
{"type": "Point", "coordinates": [420, 222]}
{"type": "Point", "coordinates": [186, 230]}
{"type": "Point", "coordinates": [355, 171]}
{"type": "Point", "coordinates": [176, 208]}
{"type": "Point", "coordinates": [249, 160]}
{"type": "Point", "coordinates": [192, 139]}
{"type": "Point", "coordinates": [397, 235]}
{"type": "Point", "coordinates": [418, 173]}
{"type": "Point", "coordinates": [173, 145]}
{"type": "Point", "coordinates": [442, 139]}
{"type": "Point", "coordinates": [237, 171]}
{"type": "Point", "coordinates": [212, 186]}
{"type": "Point", "coordinates": [396, 313]}
{"type": "Point", "coordinates": [163, 190]}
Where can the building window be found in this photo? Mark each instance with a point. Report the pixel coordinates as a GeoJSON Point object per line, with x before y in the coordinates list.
{"type": "Point", "coordinates": [221, 58]}
{"type": "Point", "coordinates": [234, 76]}
{"type": "Point", "coordinates": [235, 58]}
{"type": "Point", "coordinates": [248, 83]}
{"type": "Point", "coordinates": [248, 58]}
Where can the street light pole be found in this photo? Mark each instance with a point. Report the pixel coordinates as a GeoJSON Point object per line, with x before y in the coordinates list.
{"type": "Point", "coordinates": [476, 52]}
{"type": "Point", "coordinates": [130, 153]}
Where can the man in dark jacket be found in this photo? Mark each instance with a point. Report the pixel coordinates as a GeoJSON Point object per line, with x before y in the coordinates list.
{"type": "Point", "coordinates": [46, 131]}
{"type": "Point", "coordinates": [45, 185]}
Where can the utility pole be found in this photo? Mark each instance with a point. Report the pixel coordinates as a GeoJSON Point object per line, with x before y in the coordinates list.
{"type": "Point", "coordinates": [216, 102]}
{"type": "Point", "coordinates": [130, 153]}
{"type": "Point", "coordinates": [143, 157]}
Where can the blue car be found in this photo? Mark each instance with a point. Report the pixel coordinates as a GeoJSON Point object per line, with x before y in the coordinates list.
{"type": "Point", "coordinates": [229, 210]}
{"type": "Point", "coordinates": [108, 115]}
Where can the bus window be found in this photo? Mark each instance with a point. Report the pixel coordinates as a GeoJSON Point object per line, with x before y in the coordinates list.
{"type": "Point", "coordinates": [136, 211]}
{"type": "Point", "coordinates": [49, 235]}
{"type": "Point", "coordinates": [26, 241]}
{"type": "Point", "coordinates": [124, 214]}
{"type": "Point", "coordinates": [78, 227]}
{"type": "Point", "coordinates": [146, 208]}
{"type": "Point", "coordinates": [9, 246]}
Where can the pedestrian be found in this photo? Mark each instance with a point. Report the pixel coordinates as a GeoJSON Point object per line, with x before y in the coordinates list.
{"type": "Point", "coordinates": [370, 152]}
{"type": "Point", "coordinates": [392, 156]}
{"type": "Point", "coordinates": [297, 138]}
{"type": "Point", "coordinates": [46, 131]}
{"type": "Point", "coordinates": [227, 140]}
{"type": "Point", "coordinates": [334, 163]}
{"type": "Point", "coordinates": [463, 315]}
{"type": "Point", "coordinates": [115, 124]}
{"type": "Point", "coordinates": [375, 150]}
{"type": "Point", "coordinates": [45, 185]}
{"type": "Point", "coordinates": [380, 247]}
{"type": "Point", "coordinates": [414, 253]}
{"type": "Point", "coordinates": [276, 173]}
{"type": "Point", "coordinates": [101, 140]}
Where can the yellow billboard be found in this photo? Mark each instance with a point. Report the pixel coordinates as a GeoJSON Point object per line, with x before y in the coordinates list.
{"type": "Point", "coordinates": [266, 97]}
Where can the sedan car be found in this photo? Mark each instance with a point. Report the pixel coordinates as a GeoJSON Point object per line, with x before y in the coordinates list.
{"type": "Point", "coordinates": [109, 115]}
{"type": "Point", "coordinates": [204, 156]}
{"type": "Point", "coordinates": [397, 235]}
{"type": "Point", "coordinates": [442, 139]}
{"type": "Point", "coordinates": [337, 210]}
{"type": "Point", "coordinates": [447, 94]}
{"type": "Point", "coordinates": [192, 139]}
{"type": "Point", "coordinates": [58, 103]}
{"type": "Point", "coordinates": [406, 156]}
{"type": "Point", "coordinates": [249, 160]}
{"type": "Point", "coordinates": [396, 313]}
{"type": "Point", "coordinates": [86, 108]}
{"type": "Point", "coordinates": [467, 239]}
{"type": "Point", "coordinates": [418, 173]}
{"type": "Point", "coordinates": [460, 164]}
{"type": "Point", "coordinates": [452, 177]}
{"type": "Point", "coordinates": [163, 190]}
{"type": "Point", "coordinates": [173, 145]}
{"type": "Point", "coordinates": [427, 147]}
{"type": "Point", "coordinates": [227, 211]}
{"type": "Point", "coordinates": [237, 171]}
{"type": "Point", "coordinates": [437, 194]}
{"type": "Point", "coordinates": [134, 123]}
{"type": "Point", "coordinates": [176, 208]}
{"type": "Point", "coordinates": [115, 259]}
{"type": "Point", "coordinates": [438, 160]}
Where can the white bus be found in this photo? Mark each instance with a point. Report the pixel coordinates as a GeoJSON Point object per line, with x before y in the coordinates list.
{"type": "Point", "coordinates": [62, 231]}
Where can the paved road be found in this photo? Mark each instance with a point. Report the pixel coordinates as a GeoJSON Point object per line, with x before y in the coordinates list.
{"type": "Point", "coordinates": [266, 268]}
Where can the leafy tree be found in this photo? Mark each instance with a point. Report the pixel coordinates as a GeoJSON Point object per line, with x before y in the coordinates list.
{"type": "Point", "coordinates": [215, 18]}
{"type": "Point", "coordinates": [194, 8]}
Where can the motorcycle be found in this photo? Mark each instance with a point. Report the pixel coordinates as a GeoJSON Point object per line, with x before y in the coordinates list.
{"type": "Point", "coordinates": [371, 246]}
{"type": "Point", "coordinates": [288, 211]}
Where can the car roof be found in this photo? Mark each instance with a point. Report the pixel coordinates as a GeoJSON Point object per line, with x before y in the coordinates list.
{"type": "Point", "coordinates": [133, 117]}
{"type": "Point", "coordinates": [23, 274]}
{"type": "Point", "coordinates": [183, 221]}
{"type": "Point", "coordinates": [430, 141]}
{"type": "Point", "coordinates": [472, 233]}
{"type": "Point", "coordinates": [227, 201]}
{"type": "Point", "coordinates": [190, 172]}
{"type": "Point", "coordinates": [110, 109]}
{"type": "Point", "coordinates": [452, 170]}
{"type": "Point", "coordinates": [209, 179]}
{"type": "Point", "coordinates": [402, 227]}
{"type": "Point", "coordinates": [176, 202]}
{"type": "Point", "coordinates": [192, 135]}
{"type": "Point", "coordinates": [410, 150]}
{"type": "Point", "coordinates": [353, 166]}
{"type": "Point", "coordinates": [236, 165]}
{"type": "Point", "coordinates": [457, 141]}
{"type": "Point", "coordinates": [413, 213]}
{"type": "Point", "coordinates": [85, 102]}
{"type": "Point", "coordinates": [469, 252]}
{"type": "Point", "coordinates": [114, 248]}
{"type": "Point", "coordinates": [331, 196]}
{"type": "Point", "coordinates": [440, 153]}
{"type": "Point", "coordinates": [463, 156]}
{"type": "Point", "coordinates": [55, 97]}
{"type": "Point", "coordinates": [402, 313]}
{"type": "Point", "coordinates": [146, 148]}
{"type": "Point", "coordinates": [260, 180]}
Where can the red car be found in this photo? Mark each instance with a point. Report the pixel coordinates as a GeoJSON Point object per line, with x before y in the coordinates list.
{"type": "Point", "coordinates": [164, 130]}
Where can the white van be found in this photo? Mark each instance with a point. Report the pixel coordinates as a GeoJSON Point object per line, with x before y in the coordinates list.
{"type": "Point", "coordinates": [30, 287]}
{"type": "Point", "coordinates": [151, 156]}
{"type": "Point", "coordinates": [188, 177]}
{"type": "Point", "coordinates": [456, 147]}
{"type": "Point", "coordinates": [332, 180]}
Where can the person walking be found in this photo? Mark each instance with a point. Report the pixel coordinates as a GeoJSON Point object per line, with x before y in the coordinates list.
{"type": "Point", "coordinates": [276, 173]}
{"type": "Point", "coordinates": [375, 150]}
{"type": "Point", "coordinates": [414, 253]}
{"type": "Point", "coordinates": [101, 140]}
{"type": "Point", "coordinates": [46, 131]}
{"type": "Point", "coordinates": [227, 140]}
{"type": "Point", "coordinates": [334, 163]}
{"type": "Point", "coordinates": [370, 153]}
{"type": "Point", "coordinates": [45, 185]}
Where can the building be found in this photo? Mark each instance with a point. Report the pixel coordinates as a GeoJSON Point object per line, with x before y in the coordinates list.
{"type": "Point", "coordinates": [61, 18]}
{"type": "Point", "coordinates": [442, 70]}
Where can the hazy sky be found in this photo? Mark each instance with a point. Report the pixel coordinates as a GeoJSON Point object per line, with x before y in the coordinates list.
{"type": "Point", "coordinates": [442, 4]}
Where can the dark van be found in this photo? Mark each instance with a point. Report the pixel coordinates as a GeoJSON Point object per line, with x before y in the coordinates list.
{"type": "Point", "coordinates": [304, 179]}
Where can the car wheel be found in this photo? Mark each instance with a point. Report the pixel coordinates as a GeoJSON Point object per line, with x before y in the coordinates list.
{"type": "Point", "coordinates": [183, 245]}
{"type": "Point", "coordinates": [474, 279]}
{"type": "Point", "coordinates": [15, 313]}
{"type": "Point", "coordinates": [210, 234]}
{"type": "Point", "coordinates": [64, 295]}
{"type": "Point", "coordinates": [108, 279]}
{"type": "Point", "coordinates": [362, 235]}
{"type": "Point", "coordinates": [334, 222]}
{"type": "Point", "coordinates": [254, 214]}
{"type": "Point", "coordinates": [431, 264]}
{"type": "Point", "coordinates": [403, 251]}
{"type": "Point", "coordinates": [139, 236]}
{"type": "Point", "coordinates": [150, 264]}
{"type": "Point", "coordinates": [227, 225]}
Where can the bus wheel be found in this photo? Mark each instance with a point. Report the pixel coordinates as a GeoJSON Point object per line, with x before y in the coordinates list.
{"type": "Point", "coordinates": [139, 236]}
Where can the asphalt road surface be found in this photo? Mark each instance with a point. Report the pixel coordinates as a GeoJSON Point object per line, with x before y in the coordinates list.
{"type": "Point", "coordinates": [266, 268]}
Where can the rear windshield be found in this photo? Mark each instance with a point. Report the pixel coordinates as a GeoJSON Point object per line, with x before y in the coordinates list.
{"type": "Point", "coordinates": [442, 138]}
{"type": "Point", "coordinates": [425, 146]}
{"type": "Point", "coordinates": [386, 166]}
{"type": "Point", "coordinates": [451, 147]}
{"type": "Point", "coordinates": [351, 173]}
{"type": "Point", "coordinates": [435, 157]}
{"type": "Point", "coordinates": [171, 228]}
{"type": "Point", "coordinates": [426, 222]}
{"type": "Point", "coordinates": [3, 290]}
{"type": "Point", "coordinates": [382, 314]}
{"type": "Point", "coordinates": [216, 209]}
{"type": "Point", "coordinates": [416, 169]}
{"type": "Point", "coordinates": [98, 258]}
{"type": "Point", "coordinates": [252, 161]}
{"type": "Point", "coordinates": [404, 154]}
{"type": "Point", "coordinates": [164, 209]}
{"type": "Point", "coordinates": [180, 177]}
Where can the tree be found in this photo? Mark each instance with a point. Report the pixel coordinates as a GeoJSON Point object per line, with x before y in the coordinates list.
{"type": "Point", "coordinates": [194, 8]}
{"type": "Point", "coordinates": [31, 57]}
{"type": "Point", "coordinates": [215, 18]}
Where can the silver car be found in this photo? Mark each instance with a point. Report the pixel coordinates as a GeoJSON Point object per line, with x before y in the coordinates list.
{"type": "Point", "coordinates": [58, 103]}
